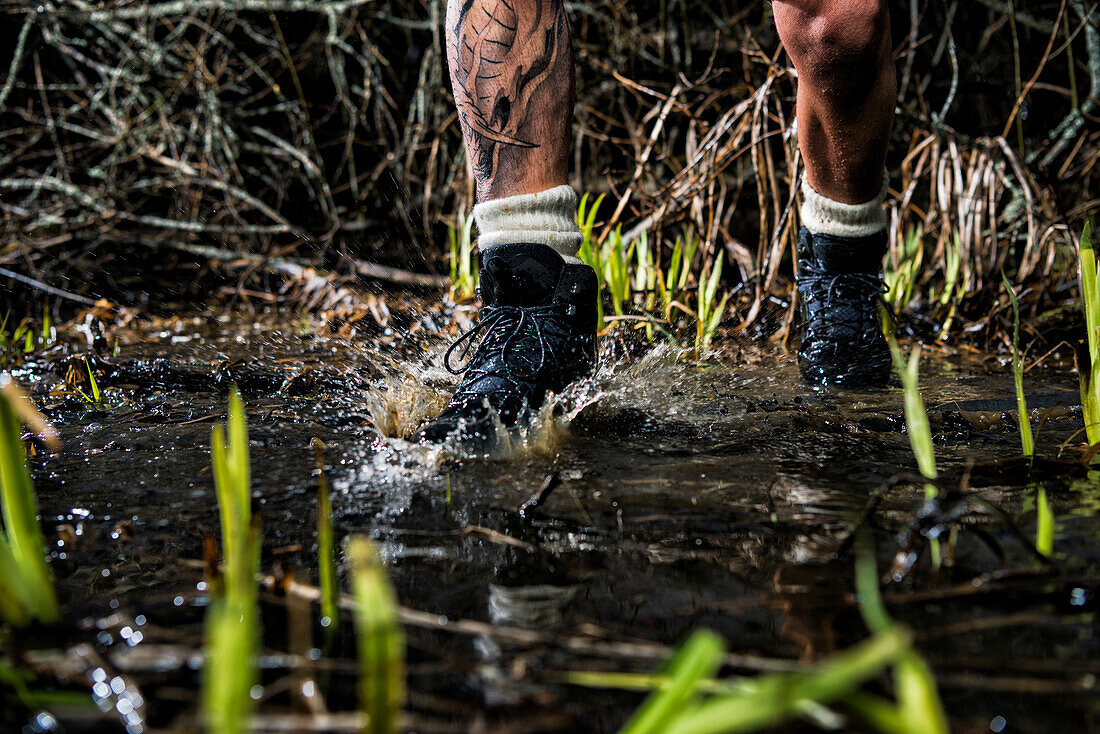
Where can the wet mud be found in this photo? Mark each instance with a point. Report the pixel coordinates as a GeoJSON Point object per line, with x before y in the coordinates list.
{"type": "Point", "coordinates": [660, 496]}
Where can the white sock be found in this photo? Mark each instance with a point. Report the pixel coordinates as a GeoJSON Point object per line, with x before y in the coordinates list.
{"type": "Point", "coordinates": [822, 215]}
{"type": "Point", "coordinates": [545, 218]}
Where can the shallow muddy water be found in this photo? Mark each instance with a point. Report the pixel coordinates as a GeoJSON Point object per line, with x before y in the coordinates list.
{"type": "Point", "coordinates": [682, 495]}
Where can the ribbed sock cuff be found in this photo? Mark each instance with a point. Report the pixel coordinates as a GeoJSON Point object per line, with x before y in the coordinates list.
{"type": "Point", "coordinates": [823, 215]}
{"type": "Point", "coordinates": [544, 218]}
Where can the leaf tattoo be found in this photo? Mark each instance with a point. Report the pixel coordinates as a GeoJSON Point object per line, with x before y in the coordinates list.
{"type": "Point", "coordinates": [502, 51]}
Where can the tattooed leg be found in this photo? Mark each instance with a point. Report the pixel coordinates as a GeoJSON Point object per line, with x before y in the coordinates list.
{"type": "Point", "coordinates": [511, 67]}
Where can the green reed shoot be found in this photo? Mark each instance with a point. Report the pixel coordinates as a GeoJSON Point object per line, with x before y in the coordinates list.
{"type": "Point", "coordinates": [380, 641]}
{"type": "Point", "coordinates": [26, 584]}
{"type": "Point", "coordinates": [645, 277]}
{"type": "Point", "coordinates": [953, 286]}
{"type": "Point", "coordinates": [952, 267]}
{"type": "Point", "coordinates": [919, 705]}
{"type": "Point", "coordinates": [687, 700]}
{"type": "Point", "coordinates": [672, 281]}
{"type": "Point", "coordinates": [698, 659]}
{"type": "Point", "coordinates": [18, 343]}
{"type": "Point", "coordinates": [1044, 523]}
{"type": "Point", "coordinates": [1044, 530]}
{"type": "Point", "coordinates": [232, 622]}
{"type": "Point", "coordinates": [463, 259]}
{"type": "Point", "coordinates": [901, 280]}
{"type": "Point", "coordinates": [615, 260]}
{"type": "Point", "coordinates": [644, 268]}
{"type": "Point", "coordinates": [1026, 440]}
{"type": "Point", "coordinates": [326, 549]}
{"type": "Point", "coordinates": [589, 253]}
{"type": "Point", "coordinates": [233, 483]}
{"type": "Point", "coordinates": [229, 671]}
{"type": "Point", "coordinates": [23, 340]}
{"type": "Point", "coordinates": [680, 270]}
{"type": "Point", "coordinates": [916, 418]}
{"type": "Point", "coordinates": [47, 336]}
{"type": "Point", "coordinates": [776, 697]}
{"type": "Point", "coordinates": [95, 397]}
{"type": "Point", "coordinates": [1089, 373]}
{"type": "Point", "coordinates": [586, 220]}
{"type": "Point", "coordinates": [916, 422]}
{"type": "Point", "coordinates": [708, 313]}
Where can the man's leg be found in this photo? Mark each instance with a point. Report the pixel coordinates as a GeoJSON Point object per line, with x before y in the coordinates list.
{"type": "Point", "coordinates": [513, 79]}
{"type": "Point", "coordinates": [846, 93]}
{"type": "Point", "coordinates": [511, 65]}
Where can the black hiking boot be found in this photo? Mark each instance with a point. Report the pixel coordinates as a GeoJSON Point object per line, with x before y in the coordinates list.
{"type": "Point", "coordinates": [537, 334]}
{"type": "Point", "coordinates": [841, 294]}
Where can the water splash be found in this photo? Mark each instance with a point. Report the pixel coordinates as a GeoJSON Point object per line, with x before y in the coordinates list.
{"type": "Point", "coordinates": [414, 394]}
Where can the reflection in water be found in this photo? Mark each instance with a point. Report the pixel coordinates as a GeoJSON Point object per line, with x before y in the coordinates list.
{"type": "Point", "coordinates": [539, 607]}
{"type": "Point", "coordinates": [810, 596]}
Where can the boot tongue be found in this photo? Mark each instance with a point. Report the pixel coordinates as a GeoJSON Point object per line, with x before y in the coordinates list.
{"type": "Point", "coordinates": [844, 254]}
{"type": "Point", "coordinates": [519, 275]}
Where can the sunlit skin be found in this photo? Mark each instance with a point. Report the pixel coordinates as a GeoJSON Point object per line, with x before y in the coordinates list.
{"type": "Point", "coordinates": [846, 91]}
{"type": "Point", "coordinates": [512, 73]}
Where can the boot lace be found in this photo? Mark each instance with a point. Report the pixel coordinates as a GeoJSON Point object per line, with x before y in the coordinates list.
{"type": "Point", "coordinates": [508, 334]}
{"type": "Point", "coordinates": [848, 302]}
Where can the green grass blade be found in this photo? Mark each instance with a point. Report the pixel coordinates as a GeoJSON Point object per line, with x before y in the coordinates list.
{"type": "Point", "coordinates": [691, 245]}
{"type": "Point", "coordinates": [1089, 294]}
{"type": "Point", "coordinates": [232, 622]}
{"type": "Point", "coordinates": [586, 220]}
{"type": "Point", "coordinates": [713, 281]}
{"type": "Point", "coordinates": [918, 699]}
{"type": "Point", "coordinates": [468, 268]}
{"type": "Point", "coordinates": [698, 659]}
{"type": "Point", "coordinates": [781, 696]}
{"type": "Point", "coordinates": [1024, 422]}
{"type": "Point", "coordinates": [1092, 399]}
{"type": "Point", "coordinates": [228, 511]}
{"type": "Point", "coordinates": [452, 236]}
{"type": "Point", "coordinates": [651, 682]}
{"type": "Point", "coordinates": [380, 641]}
{"type": "Point", "coordinates": [871, 607]}
{"type": "Point", "coordinates": [1090, 373]}
{"type": "Point", "coordinates": [238, 455]}
{"type": "Point", "coordinates": [229, 668]}
{"type": "Point", "coordinates": [232, 482]}
{"type": "Point", "coordinates": [14, 600]}
{"type": "Point", "coordinates": [20, 513]}
{"type": "Point", "coordinates": [707, 314]}
{"type": "Point", "coordinates": [326, 550]}
{"type": "Point", "coordinates": [1044, 529]}
{"type": "Point", "coordinates": [916, 419]}
{"type": "Point", "coordinates": [674, 264]}
{"type": "Point", "coordinates": [952, 263]}
{"type": "Point", "coordinates": [643, 262]}
{"type": "Point", "coordinates": [46, 337]}
{"type": "Point", "coordinates": [919, 702]}
{"type": "Point", "coordinates": [96, 396]}
{"type": "Point", "coordinates": [879, 714]}
{"type": "Point", "coordinates": [590, 255]}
